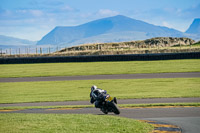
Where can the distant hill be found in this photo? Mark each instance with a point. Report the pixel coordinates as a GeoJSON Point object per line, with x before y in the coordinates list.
{"type": "Point", "coordinates": [6, 41]}
{"type": "Point", "coordinates": [194, 27]}
{"type": "Point", "coordinates": [112, 29]}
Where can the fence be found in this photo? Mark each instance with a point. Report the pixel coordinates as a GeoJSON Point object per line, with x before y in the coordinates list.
{"type": "Point", "coordinates": [76, 51]}
{"type": "Point", "coordinates": [132, 57]}
{"type": "Point", "coordinates": [28, 50]}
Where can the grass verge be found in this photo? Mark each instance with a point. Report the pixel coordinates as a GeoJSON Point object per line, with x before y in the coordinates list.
{"type": "Point", "coordinates": [23, 123]}
{"type": "Point", "coordinates": [98, 68]}
{"type": "Point", "coordinates": [19, 92]}
{"type": "Point", "coordinates": [90, 106]}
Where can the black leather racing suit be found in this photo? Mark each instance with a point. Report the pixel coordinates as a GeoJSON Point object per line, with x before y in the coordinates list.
{"type": "Point", "coordinates": [97, 96]}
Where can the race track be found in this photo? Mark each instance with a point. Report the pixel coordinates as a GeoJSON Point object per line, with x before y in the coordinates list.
{"type": "Point", "coordinates": [96, 77]}
{"type": "Point", "coordinates": [120, 101]}
{"type": "Point", "coordinates": [188, 118]}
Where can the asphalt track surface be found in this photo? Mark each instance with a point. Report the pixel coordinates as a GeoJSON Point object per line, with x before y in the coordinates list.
{"type": "Point", "coordinates": [188, 118]}
{"type": "Point", "coordinates": [97, 77]}
{"type": "Point", "coordinates": [120, 101]}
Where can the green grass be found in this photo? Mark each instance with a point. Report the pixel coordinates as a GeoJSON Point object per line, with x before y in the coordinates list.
{"type": "Point", "coordinates": [96, 68]}
{"type": "Point", "coordinates": [17, 92]}
{"type": "Point", "coordinates": [46, 107]}
{"type": "Point", "coordinates": [91, 106]}
{"type": "Point", "coordinates": [196, 44]}
{"type": "Point", "coordinates": [64, 123]}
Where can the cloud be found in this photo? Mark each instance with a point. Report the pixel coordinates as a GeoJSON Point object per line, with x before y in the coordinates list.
{"type": "Point", "coordinates": [172, 17]}
{"type": "Point", "coordinates": [36, 13]}
{"type": "Point", "coordinates": [20, 14]}
{"type": "Point", "coordinates": [52, 6]}
{"type": "Point", "coordinates": [107, 12]}
{"type": "Point", "coordinates": [192, 12]}
{"type": "Point", "coordinates": [45, 3]}
{"type": "Point", "coordinates": [37, 17]}
{"type": "Point", "coordinates": [4, 13]}
{"type": "Point", "coordinates": [166, 24]}
{"type": "Point", "coordinates": [67, 8]}
{"type": "Point", "coordinates": [44, 15]}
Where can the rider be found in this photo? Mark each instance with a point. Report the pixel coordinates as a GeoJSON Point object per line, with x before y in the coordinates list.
{"type": "Point", "coordinates": [97, 95]}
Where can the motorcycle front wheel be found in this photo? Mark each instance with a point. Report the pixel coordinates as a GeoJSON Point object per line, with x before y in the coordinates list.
{"type": "Point", "coordinates": [115, 108]}
{"type": "Point", "coordinates": [104, 110]}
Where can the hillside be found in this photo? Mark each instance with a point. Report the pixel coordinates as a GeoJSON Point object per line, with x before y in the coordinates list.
{"type": "Point", "coordinates": [11, 42]}
{"type": "Point", "coordinates": [112, 29]}
{"type": "Point", "coordinates": [194, 27]}
{"type": "Point", "coordinates": [153, 45]}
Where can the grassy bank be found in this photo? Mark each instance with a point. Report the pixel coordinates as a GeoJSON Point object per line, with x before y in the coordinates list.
{"type": "Point", "coordinates": [79, 90]}
{"type": "Point", "coordinates": [96, 68]}
{"type": "Point", "coordinates": [46, 123]}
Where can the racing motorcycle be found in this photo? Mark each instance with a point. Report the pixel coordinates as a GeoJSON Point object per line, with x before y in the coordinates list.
{"type": "Point", "coordinates": [109, 105]}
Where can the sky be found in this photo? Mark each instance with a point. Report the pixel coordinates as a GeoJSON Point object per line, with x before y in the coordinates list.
{"type": "Point", "coordinates": [32, 19]}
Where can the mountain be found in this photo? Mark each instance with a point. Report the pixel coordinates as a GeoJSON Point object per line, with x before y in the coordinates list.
{"type": "Point", "coordinates": [194, 27]}
{"type": "Point", "coordinates": [112, 29]}
{"type": "Point", "coordinates": [11, 41]}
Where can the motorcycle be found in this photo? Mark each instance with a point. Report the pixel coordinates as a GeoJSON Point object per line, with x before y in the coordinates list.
{"type": "Point", "coordinates": [109, 105]}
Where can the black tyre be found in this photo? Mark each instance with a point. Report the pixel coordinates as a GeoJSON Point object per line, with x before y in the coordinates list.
{"type": "Point", "coordinates": [104, 111]}
{"type": "Point", "coordinates": [115, 108]}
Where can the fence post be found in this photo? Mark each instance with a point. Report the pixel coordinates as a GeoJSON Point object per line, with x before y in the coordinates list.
{"type": "Point", "coordinates": [27, 51]}
{"type": "Point", "coordinates": [40, 50]}
{"type": "Point", "coordinates": [36, 50]}
{"type": "Point", "coordinates": [10, 51]}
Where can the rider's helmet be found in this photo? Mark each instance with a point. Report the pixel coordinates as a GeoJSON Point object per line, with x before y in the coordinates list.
{"type": "Point", "coordinates": [94, 87]}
